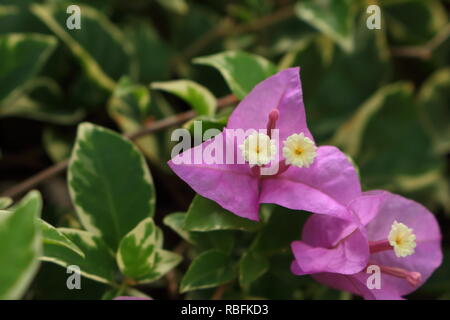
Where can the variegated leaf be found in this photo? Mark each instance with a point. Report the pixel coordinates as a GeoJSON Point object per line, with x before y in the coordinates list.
{"type": "Point", "coordinates": [196, 95]}
{"type": "Point", "coordinates": [51, 236]}
{"type": "Point", "coordinates": [241, 70]}
{"type": "Point", "coordinates": [210, 269]}
{"type": "Point", "coordinates": [5, 202]}
{"type": "Point", "coordinates": [109, 183]}
{"type": "Point", "coordinates": [163, 262]}
{"type": "Point", "coordinates": [20, 246]}
{"type": "Point", "coordinates": [98, 263]}
{"type": "Point", "coordinates": [137, 248]}
{"type": "Point", "coordinates": [140, 256]}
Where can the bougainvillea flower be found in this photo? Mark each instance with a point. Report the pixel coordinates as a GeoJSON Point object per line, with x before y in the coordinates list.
{"type": "Point", "coordinates": [320, 180]}
{"type": "Point", "coordinates": [398, 236]}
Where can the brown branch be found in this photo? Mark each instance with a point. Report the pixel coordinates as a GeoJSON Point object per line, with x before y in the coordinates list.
{"type": "Point", "coordinates": [423, 52]}
{"type": "Point", "coordinates": [153, 127]}
{"type": "Point", "coordinates": [264, 22]}
{"type": "Point", "coordinates": [227, 27]}
{"type": "Point", "coordinates": [218, 294]}
{"type": "Point", "coordinates": [171, 277]}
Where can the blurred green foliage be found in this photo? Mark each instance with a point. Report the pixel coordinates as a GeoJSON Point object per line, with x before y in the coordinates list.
{"type": "Point", "coordinates": [382, 96]}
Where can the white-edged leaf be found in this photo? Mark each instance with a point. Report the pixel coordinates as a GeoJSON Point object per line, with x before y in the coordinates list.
{"type": "Point", "coordinates": [241, 70]}
{"type": "Point", "coordinates": [5, 202]}
{"type": "Point", "coordinates": [136, 250]}
{"type": "Point", "coordinates": [196, 95]}
{"type": "Point", "coordinates": [24, 103]}
{"type": "Point", "coordinates": [434, 101]}
{"type": "Point", "coordinates": [176, 221]}
{"type": "Point", "coordinates": [109, 183]}
{"type": "Point", "coordinates": [98, 263]}
{"type": "Point", "coordinates": [333, 18]}
{"type": "Point", "coordinates": [218, 239]}
{"type": "Point", "coordinates": [100, 47]}
{"type": "Point", "coordinates": [20, 246]}
{"type": "Point", "coordinates": [163, 262]}
{"type": "Point", "coordinates": [252, 265]}
{"type": "Point", "coordinates": [206, 215]}
{"type": "Point", "coordinates": [22, 56]}
{"type": "Point", "coordinates": [140, 256]}
{"type": "Point", "coordinates": [210, 269]}
{"type": "Point", "coordinates": [51, 236]}
{"type": "Point", "coordinates": [176, 6]}
{"type": "Point", "coordinates": [129, 106]}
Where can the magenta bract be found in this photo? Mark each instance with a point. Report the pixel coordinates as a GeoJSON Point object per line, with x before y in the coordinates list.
{"type": "Point", "coordinates": [337, 252]}
{"type": "Point", "coordinates": [326, 186]}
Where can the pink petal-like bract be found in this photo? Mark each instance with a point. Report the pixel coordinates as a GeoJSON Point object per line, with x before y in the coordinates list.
{"type": "Point", "coordinates": [325, 187]}
{"type": "Point", "coordinates": [325, 254]}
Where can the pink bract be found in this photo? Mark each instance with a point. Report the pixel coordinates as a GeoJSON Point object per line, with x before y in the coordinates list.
{"type": "Point", "coordinates": [337, 253]}
{"type": "Point", "coordinates": [325, 187]}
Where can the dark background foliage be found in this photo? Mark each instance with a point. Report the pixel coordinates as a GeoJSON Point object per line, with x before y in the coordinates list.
{"type": "Point", "coordinates": [382, 96]}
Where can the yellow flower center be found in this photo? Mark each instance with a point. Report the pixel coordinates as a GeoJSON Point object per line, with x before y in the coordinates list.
{"type": "Point", "coordinates": [258, 149]}
{"type": "Point", "coordinates": [402, 239]}
{"type": "Point", "coordinates": [299, 150]}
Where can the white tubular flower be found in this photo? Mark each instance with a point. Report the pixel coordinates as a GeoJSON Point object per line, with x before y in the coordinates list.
{"type": "Point", "coordinates": [402, 239]}
{"type": "Point", "coordinates": [258, 149]}
{"type": "Point", "coordinates": [299, 150]}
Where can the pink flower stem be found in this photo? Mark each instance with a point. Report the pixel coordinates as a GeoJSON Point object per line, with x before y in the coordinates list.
{"type": "Point", "coordinates": [271, 123]}
{"type": "Point", "coordinates": [413, 278]}
{"type": "Point", "coordinates": [380, 245]}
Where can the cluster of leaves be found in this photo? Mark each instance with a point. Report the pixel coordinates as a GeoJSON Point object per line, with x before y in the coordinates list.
{"type": "Point", "coordinates": [130, 65]}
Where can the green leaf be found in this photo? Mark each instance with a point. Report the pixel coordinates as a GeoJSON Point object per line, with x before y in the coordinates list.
{"type": "Point", "coordinates": [129, 105]}
{"type": "Point", "coordinates": [378, 133]}
{"type": "Point", "coordinates": [253, 265]}
{"type": "Point", "coordinates": [53, 237]}
{"type": "Point", "coordinates": [163, 262]}
{"type": "Point", "coordinates": [137, 249]}
{"type": "Point", "coordinates": [140, 256]}
{"type": "Point", "coordinates": [434, 102]}
{"type": "Point", "coordinates": [57, 146]}
{"type": "Point", "coordinates": [344, 86]}
{"type": "Point", "coordinates": [241, 70]}
{"type": "Point", "coordinates": [5, 202]}
{"type": "Point", "coordinates": [130, 108]}
{"type": "Point", "coordinates": [196, 95]}
{"type": "Point", "coordinates": [112, 293]}
{"type": "Point", "coordinates": [176, 222]}
{"type": "Point", "coordinates": [412, 22]}
{"type": "Point", "coordinates": [22, 57]}
{"type": "Point", "coordinates": [223, 240]}
{"type": "Point", "coordinates": [98, 263]}
{"type": "Point", "coordinates": [15, 17]}
{"type": "Point", "coordinates": [220, 239]}
{"type": "Point", "coordinates": [192, 26]}
{"type": "Point", "coordinates": [206, 215]}
{"type": "Point", "coordinates": [210, 269]}
{"type": "Point", "coordinates": [176, 6]}
{"type": "Point", "coordinates": [333, 18]}
{"type": "Point", "coordinates": [109, 183]}
{"type": "Point", "coordinates": [145, 39]}
{"type": "Point", "coordinates": [20, 246]}
{"type": "Point", "coordinates": [349, 136]}
{"type": "Point", "coordinates": [205, 123]}
{"type": "Point", "coordinates": [100, 47]}
{"type": "Point", "coordinates": [286, 224]}
{"type": "Point", "coordinates": [40, 99]}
